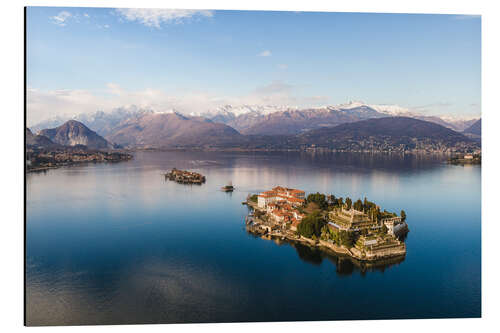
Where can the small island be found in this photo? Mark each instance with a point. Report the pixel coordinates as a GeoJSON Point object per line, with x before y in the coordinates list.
{"type": "Point", "coordinates": [360, 229]}
{"type": "Point", "coordinates": [185, 177]}
{"type": "Point", "coordinates": [465, 159]}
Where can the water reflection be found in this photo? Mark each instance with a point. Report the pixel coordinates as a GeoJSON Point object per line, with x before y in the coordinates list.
{"type": "Point", "coordinates": [344, 265]}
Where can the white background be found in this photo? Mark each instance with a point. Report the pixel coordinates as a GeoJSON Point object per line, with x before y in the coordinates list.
{"type": "Point", "coordinates": [11, 140]}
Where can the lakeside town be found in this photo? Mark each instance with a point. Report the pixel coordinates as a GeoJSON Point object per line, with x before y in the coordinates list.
{"type": "Point", "coordinates": [357, 229]}
{"type": "Point", "coordinates": [39, 160]}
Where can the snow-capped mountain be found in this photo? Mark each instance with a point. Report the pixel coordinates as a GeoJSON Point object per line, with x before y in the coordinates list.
{"type": "Point", "coordinates": [261, 119]}
{"type": "Point", "coordinates": [99, 121]}
{"type": "Point", "coordinates": [255, 119]}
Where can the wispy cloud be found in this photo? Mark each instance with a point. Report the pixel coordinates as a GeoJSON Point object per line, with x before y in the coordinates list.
{"type": "Point", "coordinates": [61, 19]}
{"type": "Point", "coordinates": [265, 53]}
{"type": "Point", "coordinates": [283, 66]}
{"type": "Point", "coordinates": [156, 17]}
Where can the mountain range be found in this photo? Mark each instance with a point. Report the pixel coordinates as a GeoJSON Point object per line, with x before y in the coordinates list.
{"type": "Point", "coordinates": [261, 120]}
{"type": "Point", "coordinates": [287, 120]}
{"type": "Point", "coordinates": [377, 127]}
{"type": "Point", "coordinates": [174, 130]}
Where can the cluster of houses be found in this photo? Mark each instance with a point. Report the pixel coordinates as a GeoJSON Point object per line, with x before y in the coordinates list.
{"type": "Point", "coordinates": [281, 204]}
{"type": "Point", "coordinates": [40, 159]}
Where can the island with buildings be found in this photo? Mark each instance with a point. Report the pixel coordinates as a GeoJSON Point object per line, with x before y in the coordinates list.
{"type": "Point", "coordinates": [465, 159]}
{"type": "Point", "coordinates": [185, 177]}
{"type": "Point", "coordinates": [357, 229]}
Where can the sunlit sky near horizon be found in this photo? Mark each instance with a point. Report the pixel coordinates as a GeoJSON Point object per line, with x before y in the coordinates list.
{"type": "Point", "coordinates": [88, 59]}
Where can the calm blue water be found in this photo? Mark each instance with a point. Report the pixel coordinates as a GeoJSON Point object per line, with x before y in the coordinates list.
{"type": "Point", "coordinates": [116, 243]}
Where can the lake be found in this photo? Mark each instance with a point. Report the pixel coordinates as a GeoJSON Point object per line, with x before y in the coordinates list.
{"type": "Point", "coordinates": [118, 244]}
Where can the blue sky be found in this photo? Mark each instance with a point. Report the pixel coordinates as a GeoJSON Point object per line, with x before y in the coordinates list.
{"type": "Point", "coordinates": [88, 59]}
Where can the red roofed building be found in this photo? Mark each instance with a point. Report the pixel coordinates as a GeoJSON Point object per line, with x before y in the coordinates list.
{"type": "Point", "coordinates": [291, 196]}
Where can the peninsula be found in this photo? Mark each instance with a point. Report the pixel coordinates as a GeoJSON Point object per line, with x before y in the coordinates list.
{"type": "Point", "coordinates": [44, 159]}
{"type": "Point", "coordinates": [360, 229]}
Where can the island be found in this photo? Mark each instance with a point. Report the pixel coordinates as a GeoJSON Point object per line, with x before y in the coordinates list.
{"type": "Point", "coordinates": [465, 159]}
{"type": "Point", "coordinates": [185, 177]}
{"type": "Point", "coordinates": [358, 229]}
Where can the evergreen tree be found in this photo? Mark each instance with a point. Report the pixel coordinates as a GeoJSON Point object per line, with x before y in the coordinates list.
{"type": "Point", "coordinates": [348, 203]}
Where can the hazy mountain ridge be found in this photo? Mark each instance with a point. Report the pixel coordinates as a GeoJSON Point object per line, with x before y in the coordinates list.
{"type": "Point", "coordinates": [399, 128]}
{"type": "Point", "coordinates": [171, 130]}
{"type": "Point", "coordinates": [374, 134]}
{"type": "Point", "coordinates": [474, 129]}
{"type": "Point", "coordinates": [101, 122]}
{"type": "Point", "coordinates": [39, 141]}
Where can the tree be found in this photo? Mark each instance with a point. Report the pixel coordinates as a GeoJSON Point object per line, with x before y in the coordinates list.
{"type": "Point", "coordinates": [358, 205]}
{"type": "Point", "coordinates": [348, 203]}
{"type": "Point", "coordinates": [311, 225]}
{"type": "Point", "coordinates": [335, 236]}
{"type": "Point", "coordinates": [319, 199]}
{"type": "Point", "coordinates": [346, 238]}
{"type": "Point", "coordinates": [403, 215]}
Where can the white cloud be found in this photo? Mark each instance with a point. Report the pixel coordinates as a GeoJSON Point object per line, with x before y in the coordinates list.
{"type": "Point", "coordinates": [283, 66]}
{"type": "Point", "coordinates": [156, 17]}
{"type": "Point", "coordinates": [61, 18]}
{"type": "Point", "coordinates": [265, 53]}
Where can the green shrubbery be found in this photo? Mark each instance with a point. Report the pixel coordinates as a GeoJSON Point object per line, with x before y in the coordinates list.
{"type": "Point", "coordinates": [319, 199]}
{"type": "Point", "coordinates": [311, 225]}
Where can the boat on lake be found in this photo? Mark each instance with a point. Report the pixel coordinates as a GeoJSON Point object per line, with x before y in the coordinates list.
{"type": "Point", "coordinates": [228, 188]}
